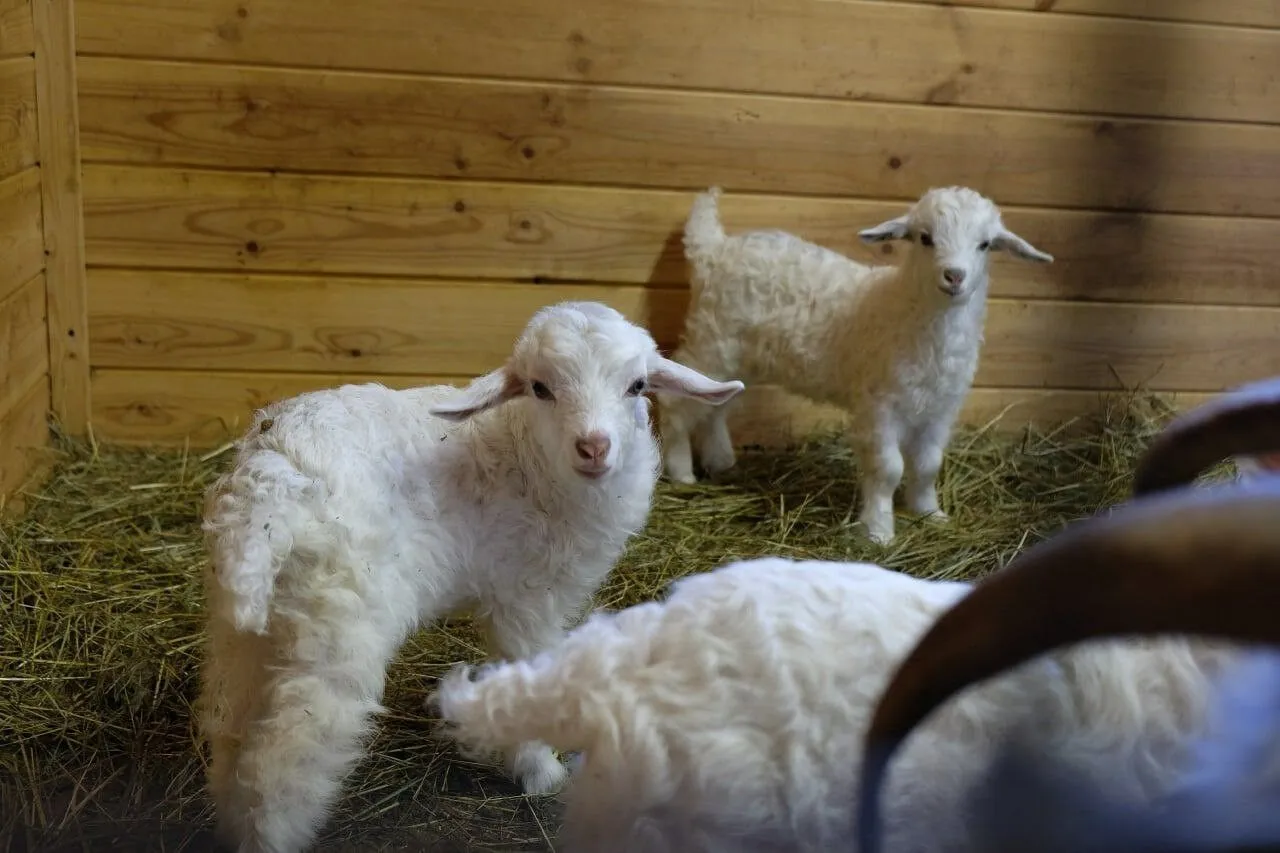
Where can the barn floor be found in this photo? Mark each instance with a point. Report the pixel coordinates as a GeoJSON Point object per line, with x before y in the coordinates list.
{"type": "Point", "coordinates": [100, 594]}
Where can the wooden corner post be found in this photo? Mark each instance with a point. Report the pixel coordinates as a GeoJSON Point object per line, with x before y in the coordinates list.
{"type": "Point", "coordinates": [58, 118]}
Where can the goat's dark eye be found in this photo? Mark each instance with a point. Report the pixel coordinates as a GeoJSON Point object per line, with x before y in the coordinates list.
{"type": "Point", "coordinates": [984, 245]}
{"type": "Point", "coordinates": [637, 388]}
{"type": "Point", "coordinates": [926, 239]}
{"type": "Point", "coordinates": [542, 392]}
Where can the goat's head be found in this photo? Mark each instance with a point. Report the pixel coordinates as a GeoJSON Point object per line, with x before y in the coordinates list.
{"type": "Point", "coordinates": [953, 230]}
{"type": "Point", "coordinates": [583, 371]}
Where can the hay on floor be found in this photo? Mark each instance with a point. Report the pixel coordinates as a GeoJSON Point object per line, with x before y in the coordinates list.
{"type": "Point", "coordinates": [101, 628]}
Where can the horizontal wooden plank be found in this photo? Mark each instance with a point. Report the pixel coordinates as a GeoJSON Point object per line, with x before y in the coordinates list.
{"type": "Point", "coordinates": [155, 320]}
{"type": "Point", "coordinates": [327, 324]}
{"type": "Point", "coordinates": [19, 144]}
{"type": "Point", "coordinates": [854, 49]}
{"type": "Point", "coordinates": [24, 432]}
{"type": "Point", "coordinates": [1249, 13]}
{"type": "Point", "coordinates": [200, 115]}
{"type": "Point", "coordinates": [770, 417]}
{"type": "Point", "coordinates": [16, 35]}
{"type": "Point", "coordinates": [143, 217]}
{"type": "Point", "coordinates": [168, 407]}
{"type": "Point", "coordinates": [24, 342]}
{"type": "Point", "coordinates": [21, 235]}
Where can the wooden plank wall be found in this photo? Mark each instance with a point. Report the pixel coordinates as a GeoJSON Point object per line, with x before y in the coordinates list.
{"type": "Point", "coordinates": [282, 194]}
{"type": "Point", "coordinates": [24, 348]}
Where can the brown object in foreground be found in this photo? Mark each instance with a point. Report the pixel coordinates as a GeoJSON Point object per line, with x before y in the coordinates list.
{"type": "Point", "coordinates": [1093, 581]}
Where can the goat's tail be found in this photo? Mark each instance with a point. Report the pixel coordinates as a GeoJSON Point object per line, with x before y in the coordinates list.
{"type": "Point", "coordinates": [254, 517]}
{"type": "Point", "coordinates": [570, 697]}
{"type": "Point", "coordinates": [703, 232]}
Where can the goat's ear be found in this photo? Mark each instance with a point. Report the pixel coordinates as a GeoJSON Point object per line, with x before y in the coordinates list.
{"type": "Point", "coordinates": [894, 229]}
{"type": "Point", "coordinates": [671, 377]}
{"type": "Point", "coordinates": [483, 393]}
{"type": "Point", "coordinates": [1009, 242]}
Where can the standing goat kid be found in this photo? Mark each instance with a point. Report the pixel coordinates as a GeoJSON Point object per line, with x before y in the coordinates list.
{"type": "Point", "coordinates": [353, 516]}
{"type": "Point", "coordinates": [895, 347]}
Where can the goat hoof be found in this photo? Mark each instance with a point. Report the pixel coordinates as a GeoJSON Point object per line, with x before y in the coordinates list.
{"type": "Point", "coordinates": [717, 462]}
{"type": "Point", "coordinates": [546, 776]}
{"type": "Point", "coordinates": [880, 534]}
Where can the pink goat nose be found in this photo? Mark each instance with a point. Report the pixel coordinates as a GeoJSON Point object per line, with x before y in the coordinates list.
{"type": "Point", "coordinates": [953, 275]}
{"type": "Point", "coordinates": [593, 447]}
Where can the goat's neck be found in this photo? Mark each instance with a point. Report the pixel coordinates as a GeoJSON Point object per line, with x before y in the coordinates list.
{"type": "Point", "coordinates": [929, 309]}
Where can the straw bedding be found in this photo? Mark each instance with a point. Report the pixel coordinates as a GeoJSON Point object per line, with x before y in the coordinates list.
{"type": "Point", "coordinates": [100, 595]}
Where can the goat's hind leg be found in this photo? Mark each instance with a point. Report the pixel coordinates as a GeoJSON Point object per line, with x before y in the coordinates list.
{"type": "Point", "coordinates": [681, 420]}
{"type": "Point", "coordinates": [232, 682]}
{"type": "Point", "coordinates": [715, 444]}
{"type": "Point", "coordinates": [324, 686]}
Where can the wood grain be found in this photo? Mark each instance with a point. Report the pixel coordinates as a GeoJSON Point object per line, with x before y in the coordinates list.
{"type": "Point", "coordinates": [1251, 13]}
{"type": "Point", "coordinates": [24, 432]}
{"type": "Point", "coordinates": [856, 49]}
{"type": "Point", "coordinates": [169, 407]}
{"type": "Point", "coordinates": [16, 36]}
{"type": "Point", "coordinates": [63, 214]}
{"type": "Point", "coordinates": [176, 114]}
{"type": "Point", "coordinates": [327, 324]}
{"type": "Point", "coordinates": [19, 142]}
{"type": "Point", "coordinates": [21, 230]}
{"type": "Point", "coordinates": [305, 224]}
{"type": "Point", "coordinates": [24, 352]}
{"type": "Point", "coordinates": [466, 328]}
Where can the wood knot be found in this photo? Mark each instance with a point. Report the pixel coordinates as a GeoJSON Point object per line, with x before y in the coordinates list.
{"type": "Point", "coordinates": [895, 162]}
{"type": "Point", "coordinates": [252, 247]}
{"type": "Point", "coordinates": [459, 207]}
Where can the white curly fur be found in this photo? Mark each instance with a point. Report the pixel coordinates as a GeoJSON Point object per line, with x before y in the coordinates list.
{"type": "Point", "coordinates": [353, 516]}
{"type": "Point", "coordinates": [1226, 798]}
{"type": "Point", "coordinates": [731, 716]}
{"type": "Point", "coordinates": [895, 347]}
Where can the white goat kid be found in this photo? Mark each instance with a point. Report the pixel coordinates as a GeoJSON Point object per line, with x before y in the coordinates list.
{"type": "Point", "coordinates": [730, 717]}
{"type": "Point", "coordinates": [895, 347]}
{"type": "Point", "coordinates": [353, 516]}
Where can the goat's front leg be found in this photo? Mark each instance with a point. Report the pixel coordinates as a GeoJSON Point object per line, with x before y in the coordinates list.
{"type": "Point", "coordinates": [924, 460]}
{"type": "Point", "coordinates": [881, 460]}
{"type": "Point", "coordinates": [518, 630]}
